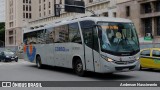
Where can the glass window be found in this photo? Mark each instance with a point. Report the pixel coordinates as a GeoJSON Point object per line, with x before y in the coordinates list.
{"type": "Point", "coordinates": [74, 33]}
{"type": "Point", "coordinates": [118, 38]}
{"type": "Point", "coordinates": [89, 32]}
{"type": "Point", "coordinates": [158, 6]}
{"type": "Point", "coordinates": [30, 15]}
{"type": "Point", "coordinates": [36, 37]}
{"type": "Point", "coordinates": [158, 26]}
{"type": "Point", "coordinates": [128, 11]}
{"type": "Point", "coordinates": [30, 8]}
{"type": "Point", "coordinates": [148, 26]}
{"type": "Point", "coordinates": [26, 7]}
{"type": "Point", "coordinates": [156, 53]}
{"type": "Point", "coordinates": [50, 35]}
{"type": "Point", "coordinates": [145, 53]}
{"type": "Point", "coordinates": [61, 34]}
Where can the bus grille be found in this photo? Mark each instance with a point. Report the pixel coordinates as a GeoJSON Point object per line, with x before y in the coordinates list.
{"type": "Point", "coordinates": [124, 62]}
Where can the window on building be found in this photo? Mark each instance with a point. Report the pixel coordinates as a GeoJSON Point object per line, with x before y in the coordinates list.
{"type": "Point", "coordinates": [11, 40]}
{"type": "Point", "coordinates": [105, 14]}
{"type": "Point", "coordinates": [114, 14]}
{"type": "Point", "coordinates": [29, 1]}
{"type": "Point", "coordinates": [49, 5]}
{"type": "Point", "coordinates": [90, 1]}
{"type": "Point", "coordinates": [30, 16]}
{"type": "Point", "coordinates": [158, 26]}
{"type": "Point", "coordinates": [39, 1]}
{"type": "Point", "coordinates": [26, 1]}
{"type": "Point", "coordinates": [26, 15]}
{"type": "Point", "coordinates": [30, 9]}
{"type": "Point", "coordinates": [74, 33]}
{"type": "Point", "coordinates": [23, 15]}
{"type": "Point", "coordinates": [49, 11]}
{"type": "Point", "coordinates": [148, 26]}
{"type": "Point", "coordinates": [44, 13]}
{"type": "Point", "coordinates": [147, 8]}
{"type": "Point", "coordinates": [39, 8]}
{"type": "Point", "coordinates": [128, 11]}
{"type": "Point", "coordinates": [39, 14]}
{"type": "Point", "coordinates": [158, 6]}
{"type": "Point", "coordinates": [44, 0]}
{"type": "Point", "coordinates": [24, 7]}
{"type": "Point", "coordinates": [44, 6]}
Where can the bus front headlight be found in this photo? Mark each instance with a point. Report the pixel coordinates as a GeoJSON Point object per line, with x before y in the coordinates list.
{"type": "Point", "coordinates": [109, 60]}
{"type": "Point", "coordinates": [137, 58]}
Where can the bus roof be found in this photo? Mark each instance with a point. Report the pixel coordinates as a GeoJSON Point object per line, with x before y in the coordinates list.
{"type": "Point", "coordinates": [96, 19]}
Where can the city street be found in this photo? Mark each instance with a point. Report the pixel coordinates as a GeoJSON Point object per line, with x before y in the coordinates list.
{"type": "Point", "coordinates": [26, 71]}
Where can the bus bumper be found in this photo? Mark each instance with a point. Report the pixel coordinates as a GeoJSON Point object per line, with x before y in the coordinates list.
{"type": "Point", "coordinates": [111, 67]}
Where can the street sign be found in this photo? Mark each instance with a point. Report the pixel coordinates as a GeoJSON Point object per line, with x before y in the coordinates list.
{"type": "Point", "coordinates": [148, 38]}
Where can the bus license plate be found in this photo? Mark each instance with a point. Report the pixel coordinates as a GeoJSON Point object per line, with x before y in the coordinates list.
{"type": "Point", "coordinates": [126, 69]}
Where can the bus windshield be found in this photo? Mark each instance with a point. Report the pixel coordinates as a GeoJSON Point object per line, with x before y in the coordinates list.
{"type": "Point", "coordinates": [118, 38]}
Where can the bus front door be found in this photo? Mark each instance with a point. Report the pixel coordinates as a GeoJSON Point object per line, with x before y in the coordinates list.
{"type": "Point", "coordinates": [91, 47]}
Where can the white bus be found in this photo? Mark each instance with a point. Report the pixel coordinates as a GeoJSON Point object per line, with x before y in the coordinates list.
{"type": "Point", "coordinates": [96, 44]}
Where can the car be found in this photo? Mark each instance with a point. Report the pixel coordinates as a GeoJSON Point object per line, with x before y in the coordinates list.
{"type": "Point", "coordinates": [8, 56]}
{"type": "Point", "coordinates": [150, 58]}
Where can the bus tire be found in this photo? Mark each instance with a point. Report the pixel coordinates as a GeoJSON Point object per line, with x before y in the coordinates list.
{"type": "Point", "coordinates": [39, 62]}
{"type": "Point", "coordinates": [78, 67]}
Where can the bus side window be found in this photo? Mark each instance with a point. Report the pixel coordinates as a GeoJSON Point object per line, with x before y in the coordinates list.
{"type": "Point", "coordinates": [74, 33]}
{"type": "Point", "coordinates": [61, 34]}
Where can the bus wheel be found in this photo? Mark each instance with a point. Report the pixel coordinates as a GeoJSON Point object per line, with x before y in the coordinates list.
{"type": "Point", "coordinates": [38, 62]}
{"type": "Point", "coordinates": [78, 68]}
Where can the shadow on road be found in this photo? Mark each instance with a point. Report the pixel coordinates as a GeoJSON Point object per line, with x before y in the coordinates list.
{"type": "Point", "coordinates": [98, 76]}
{"type": "Point", "coordinates": [151, 70]}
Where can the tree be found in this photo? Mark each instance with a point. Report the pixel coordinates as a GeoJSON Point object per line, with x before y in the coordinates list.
{"type": "Point", "coordinates": [2, 33]}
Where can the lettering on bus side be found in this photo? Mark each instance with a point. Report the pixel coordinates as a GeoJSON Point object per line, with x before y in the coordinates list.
{"type": "Point", "coordinates": [61, 49]}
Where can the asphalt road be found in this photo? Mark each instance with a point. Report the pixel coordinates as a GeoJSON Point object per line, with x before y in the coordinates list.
{"type": "Point", "coordinates": [24, 70]}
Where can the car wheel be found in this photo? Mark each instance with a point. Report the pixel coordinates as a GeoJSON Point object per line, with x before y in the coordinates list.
{"type": "Point", "coordinates": [141, 67]}
{"type": "Point", "coordinates": [38, 62]}
{"type": "Point", "coordinates": [78, 68]}
{"type": "Point", "coordinates": [4, 60]}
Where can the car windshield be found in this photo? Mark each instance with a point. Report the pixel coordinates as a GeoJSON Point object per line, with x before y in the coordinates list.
{"type": "Point", "coordinates": [118, 37]}
{"type": "Point", "coordinates": [8, 53]}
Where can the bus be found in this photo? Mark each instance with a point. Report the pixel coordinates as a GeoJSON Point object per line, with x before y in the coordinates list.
{"type": "Point", "coordinates": [96, 44]}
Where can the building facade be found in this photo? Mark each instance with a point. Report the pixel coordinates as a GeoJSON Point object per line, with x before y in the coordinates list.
{"type": "Point", "coordinates": [21, 14]}
{"type": "Point", "coordinates": [146, 16]}
{"type": "Point", "coordinates": [2, 10]}
{"type": "Point", "coordinates": [17, 13]}
{"type": "Point", "coordinates": [101, 7]}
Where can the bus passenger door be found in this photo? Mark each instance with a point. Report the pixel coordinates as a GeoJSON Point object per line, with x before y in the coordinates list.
{"type": "Point", "coordinates": [90, 51]}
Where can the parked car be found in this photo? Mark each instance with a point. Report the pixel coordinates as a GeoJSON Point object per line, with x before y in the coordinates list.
{"type": "Point", "coordinates": [8, 56]}
{"type": "Point", "coordinates": [150, 58]}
